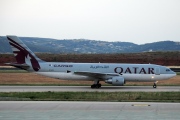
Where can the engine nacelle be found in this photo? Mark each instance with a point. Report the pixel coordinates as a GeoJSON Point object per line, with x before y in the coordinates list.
{"type": "Point", "coordinates": [116, 81]}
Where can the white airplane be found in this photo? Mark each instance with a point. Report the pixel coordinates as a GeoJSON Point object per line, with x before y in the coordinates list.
{"type": "Point", "coordinates": [115, 74]}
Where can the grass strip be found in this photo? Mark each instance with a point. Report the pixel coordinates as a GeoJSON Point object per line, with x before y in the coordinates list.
{"type": "Point", "coordinates": [93, 96]}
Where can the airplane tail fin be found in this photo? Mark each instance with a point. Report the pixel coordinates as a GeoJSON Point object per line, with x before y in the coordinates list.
{"type": "Point", "coordinates": [25, 58]}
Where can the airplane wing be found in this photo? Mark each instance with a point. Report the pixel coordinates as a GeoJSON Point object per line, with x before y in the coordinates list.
{"type": "Point", "coordinates": [97, 75]}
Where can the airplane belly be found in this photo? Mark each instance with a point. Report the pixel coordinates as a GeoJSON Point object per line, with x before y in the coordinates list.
{"type": "Point", "coordinates": [64, 76]}
{"type": "Point", "coordinates": [137, 77]}
{"type": "Point", "coordinates": [163, 76]}
{"type": "Point", "coordinates": [145, 77]}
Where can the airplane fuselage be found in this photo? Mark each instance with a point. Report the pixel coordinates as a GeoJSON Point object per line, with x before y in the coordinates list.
{"type": "Point", "coordinates": [130, 72]}
{"type": "Point", "coordinates": [111, 73]}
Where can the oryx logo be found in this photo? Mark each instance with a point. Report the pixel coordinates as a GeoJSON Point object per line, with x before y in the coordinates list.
{"type": "Point", "coordinates": [22, 55]}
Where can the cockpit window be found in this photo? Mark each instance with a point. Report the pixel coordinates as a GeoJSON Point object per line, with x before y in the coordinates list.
{"type": "Point", "coordinates": [167, 70]}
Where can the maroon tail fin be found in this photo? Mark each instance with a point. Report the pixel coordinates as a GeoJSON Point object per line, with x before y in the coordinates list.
{"type": "Point", "coordinates": [23, 54]}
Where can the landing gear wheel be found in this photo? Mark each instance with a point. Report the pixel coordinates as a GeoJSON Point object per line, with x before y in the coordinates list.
{"type": "Point", "coordinates": [93, 86]}
{"type": "Point", "coordinates": [99, 85]}
{"type": "Point", "coordinates": [154, 86]}
{"type": "Point", "coordinates": [96, 86]}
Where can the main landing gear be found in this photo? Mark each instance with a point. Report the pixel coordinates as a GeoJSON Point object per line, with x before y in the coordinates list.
{"type": "Point", "coordinates": [96, 84]}
{"type": "Point", "coordinates": [154, 86]}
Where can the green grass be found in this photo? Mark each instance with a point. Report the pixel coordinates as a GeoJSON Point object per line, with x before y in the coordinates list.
{"type": "Point", "coordinates": [93, 96]}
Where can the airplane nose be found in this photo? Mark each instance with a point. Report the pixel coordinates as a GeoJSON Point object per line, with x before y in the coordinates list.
{"type": "Point", "coordinates": [173, 73]}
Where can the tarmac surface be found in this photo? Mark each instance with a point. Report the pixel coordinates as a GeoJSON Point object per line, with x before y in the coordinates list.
{"type": "Point", "coordinates": [88, 89]}
{"type": "Point", "coordinates": [59, 110]}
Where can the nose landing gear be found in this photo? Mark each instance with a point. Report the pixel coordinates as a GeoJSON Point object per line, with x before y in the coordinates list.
{"type": "Point", "coordinates": [154, 86]}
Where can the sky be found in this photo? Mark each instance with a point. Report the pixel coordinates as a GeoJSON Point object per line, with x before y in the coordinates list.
{"type": "Point", "coordinates": [137, 21]}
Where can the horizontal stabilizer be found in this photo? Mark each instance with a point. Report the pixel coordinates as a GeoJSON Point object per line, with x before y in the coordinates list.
{"type": "Point", "coordinates": [21, 66]}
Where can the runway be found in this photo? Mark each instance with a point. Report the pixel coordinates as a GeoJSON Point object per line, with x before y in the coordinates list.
{"type": "Point", "coordinates": [58, 110]}
{"type": "Point", "coordinates": [88, 89]}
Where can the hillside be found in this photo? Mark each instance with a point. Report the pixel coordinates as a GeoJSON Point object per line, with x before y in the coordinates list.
{"type": "Point", "coordinates": [84, 46]}
{"type": "Point", "coordinates": [161, 58]}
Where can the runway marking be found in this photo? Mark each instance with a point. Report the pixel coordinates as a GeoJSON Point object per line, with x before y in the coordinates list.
{"type": "Point", "coordinates": [55, 110]}
{"type": "Point", "coordinates": [140, 105]}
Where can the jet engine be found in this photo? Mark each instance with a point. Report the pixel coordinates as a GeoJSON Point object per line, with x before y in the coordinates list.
{"type": "Point", "coordinates": [116, 81]}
